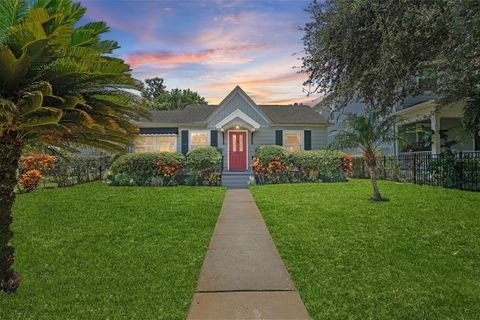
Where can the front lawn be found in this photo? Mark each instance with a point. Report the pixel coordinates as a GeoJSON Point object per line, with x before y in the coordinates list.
{"type": "Point", "coordinates": [415, 257]}
{"type": "Point", "coordinates": [98, 252]}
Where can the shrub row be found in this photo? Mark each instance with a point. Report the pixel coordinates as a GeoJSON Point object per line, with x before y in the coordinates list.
{"type": "Point", "coordinates": [201, 166]}
{"type": "Point", "coordinates": [73, 169]}
{"type": "Point", "coordinates": [273, 164]}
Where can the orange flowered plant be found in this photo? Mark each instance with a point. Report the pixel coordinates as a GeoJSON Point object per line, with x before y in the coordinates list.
{"type": "Point", "coordinates": [32, 170]}
{"type": "Point", "coordinates": [347, 165]}
{"type": "Point", "coordinates": [169, 170]}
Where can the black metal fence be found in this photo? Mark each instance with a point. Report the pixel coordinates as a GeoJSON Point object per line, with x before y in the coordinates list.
{"type": "Point", "coordinates": [448, 170]}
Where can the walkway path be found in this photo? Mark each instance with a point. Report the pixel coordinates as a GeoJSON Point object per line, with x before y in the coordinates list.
{"type": "Point", "coordinates": [243, 276]}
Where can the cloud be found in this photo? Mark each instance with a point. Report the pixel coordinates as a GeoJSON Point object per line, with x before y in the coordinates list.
{"type": "Point", "coordinates": [231, 54]}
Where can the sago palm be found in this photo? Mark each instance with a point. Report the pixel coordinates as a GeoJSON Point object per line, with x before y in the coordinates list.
{"type": "Point", "coordinates": [367, 132]}
{"type": "Point", "coordinates": [60, 88]}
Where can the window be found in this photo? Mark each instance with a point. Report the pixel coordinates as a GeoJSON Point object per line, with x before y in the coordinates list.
{"type": "Point", "coordinates": [293, 140]}
{"type": "Point", "coordinates": [156, 143]}
{"type": "Point", "coordinates": [199, 139]}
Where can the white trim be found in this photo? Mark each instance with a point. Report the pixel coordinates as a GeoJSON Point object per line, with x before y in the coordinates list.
{"type": "Point", "coordinates": [302, 137]}
{"type": "Point", "coordinates": [238, 114]}
{"type": "Point", "coordinates": [247, 142]}
{"type": "Point", "coordinates": [245, 96]}
{"type": "Point", "coordinates": [197, 131]}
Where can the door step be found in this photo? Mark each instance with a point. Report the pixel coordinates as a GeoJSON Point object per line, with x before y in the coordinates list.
{"type": "Point", "coordinates": [237, 180]}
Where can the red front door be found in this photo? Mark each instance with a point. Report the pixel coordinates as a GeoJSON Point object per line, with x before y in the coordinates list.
{"type": "Point", "coordinates": [237, 150]}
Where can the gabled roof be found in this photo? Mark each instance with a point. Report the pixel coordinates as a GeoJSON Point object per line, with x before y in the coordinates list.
{"type": "Point", "coordinates": [200, 114]}
{"type": "Point", "coordinates": [239, 91]}
{"type": "Point", "coordinates": [195, 113]}
{"type": "Point", "coordinates": [300, 114]}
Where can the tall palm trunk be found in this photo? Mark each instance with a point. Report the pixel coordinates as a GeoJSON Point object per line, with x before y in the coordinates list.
{"type": "Point", "coordinates": [10, 150]}
{"type": "Point", "coordinates": [371, 162]}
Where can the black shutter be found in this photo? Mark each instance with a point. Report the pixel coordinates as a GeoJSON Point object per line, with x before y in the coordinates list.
{"type": "Point", "coordinates": [307, 137]}
{"type": "Point", "coordinates": [214, 138]}
{"type": "Point", "coordinates": [279, 137]}
{"type": "Point", "coordinates": [184, 141]}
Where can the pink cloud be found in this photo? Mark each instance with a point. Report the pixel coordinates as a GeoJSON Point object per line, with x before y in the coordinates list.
{"type": "Point", "coordinates": [230, 54]}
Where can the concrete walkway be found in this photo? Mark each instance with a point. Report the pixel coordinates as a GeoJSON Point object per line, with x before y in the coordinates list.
{"type": "Point", "coordinates": [243, 276]}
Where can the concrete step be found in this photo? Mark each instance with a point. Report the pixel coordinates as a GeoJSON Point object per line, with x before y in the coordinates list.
{"type": "Point", "coordinates": [236, 180]}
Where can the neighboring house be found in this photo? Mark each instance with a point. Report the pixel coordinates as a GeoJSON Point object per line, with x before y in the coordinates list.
{"type": "Point", "coordinates": [237, 126]}
{"type": "Point", "coordinates": [434, 127]}
{"type": "Point", "coordinates": [430, 127]}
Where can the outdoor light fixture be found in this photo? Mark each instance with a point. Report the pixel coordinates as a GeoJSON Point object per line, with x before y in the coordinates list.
{"type": "Point", "coordinates": [237, 127]}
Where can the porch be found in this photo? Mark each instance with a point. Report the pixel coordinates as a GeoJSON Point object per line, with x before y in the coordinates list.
{"type": "Point", "coordinates": [431, 128]}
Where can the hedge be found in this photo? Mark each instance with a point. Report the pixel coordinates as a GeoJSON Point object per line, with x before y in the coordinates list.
{"type": "Point", "coordinates": [273, 164]}
{"type": "Point", "coordinates": [71, 169]}
{"type": "Point", "coordinates": [201, 166]}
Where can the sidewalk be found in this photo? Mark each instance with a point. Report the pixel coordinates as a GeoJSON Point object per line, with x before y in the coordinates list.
{"type": "Point", "coordinates": [243, 276]}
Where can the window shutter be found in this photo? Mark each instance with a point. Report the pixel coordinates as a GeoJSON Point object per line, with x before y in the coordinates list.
{"type": "Point", "coordinates": [279, 137]}
{"type": "Point", "coordinates": [307, 137]}
{"type": "Point", "coordinates": [184, 141]}
{"type": "Point", "coordinates": [214, 138]}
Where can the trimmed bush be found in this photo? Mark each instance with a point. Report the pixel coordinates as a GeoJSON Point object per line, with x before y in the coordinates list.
{"type": "Point", "coordinates": [71, 169]}
{"type": "Point", "coordinates": [267, 153]}
{"type": "Point", "coordinates": [142, 169]}
{"type": "Point", "coordinates": [273, 164]}
{"type": "Point", "coordinates": [319, 165]}
{"type": "Point", "coordinates": [168, 167]}
{"type": "Point", "coordinates": [204, 165]}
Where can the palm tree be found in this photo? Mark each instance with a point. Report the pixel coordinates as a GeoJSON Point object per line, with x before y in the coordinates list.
{"type": "Point", "coordinates": [59, 87]}
{"type": "Point", "coordinates": [368, 132]}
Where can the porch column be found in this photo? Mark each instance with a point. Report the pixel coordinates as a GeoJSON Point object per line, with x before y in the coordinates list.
{"type": "Point", "coordinates": [435, 125]}
{"type": "Point", "coordinates": [396, 143]}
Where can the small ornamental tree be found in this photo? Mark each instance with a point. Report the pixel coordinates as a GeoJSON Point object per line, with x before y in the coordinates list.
{"type": "Point", "coordinates": [367, 132]}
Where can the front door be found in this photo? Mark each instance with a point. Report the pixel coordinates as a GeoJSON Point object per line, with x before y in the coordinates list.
{"type": "Point", "coordinates": [237, 151]}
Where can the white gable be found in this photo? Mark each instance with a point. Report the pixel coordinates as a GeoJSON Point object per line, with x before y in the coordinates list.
{"type": "Point", "coordinates": [238, 100]}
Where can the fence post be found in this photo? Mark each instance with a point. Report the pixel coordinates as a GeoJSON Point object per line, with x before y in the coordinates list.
{"type": "Point", "coordinates": [415, 168]}
{"type": "Point", "coordinates": [460, 154]}
{"type": "Point", "coordinates": [384, 167]}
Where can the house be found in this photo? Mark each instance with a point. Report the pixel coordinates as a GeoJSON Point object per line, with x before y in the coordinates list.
{"type": "Point", "coordinates": [237, 126]}
{"type": "Point", "coordinates": [430, 127]}
{"type": "Point", "coordinates": [433, 127]}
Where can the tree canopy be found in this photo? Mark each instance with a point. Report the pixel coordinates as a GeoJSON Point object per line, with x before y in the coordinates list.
{"type": "Point", "coordinates": [375, 50]}
{"type": "Point", "coordinates": [59, 87]}
{"type": "Point", "coordinates": [175, 99]}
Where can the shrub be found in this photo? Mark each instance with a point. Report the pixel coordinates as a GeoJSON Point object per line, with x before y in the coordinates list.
{"type": "Point", "coordinates": [170, 164]}
{"type": "Point", "coordinates": [267, 153]}
{"type": "Point", "coordinates": [71, 169]}
{"type": "Point", "coordinates": [204, 165]}
{"type": "Point", "coordinates": [29, 180]}
{"type": "Point", "coordinates": [272, 164]}
{"type": "Point", "coordinates": [140, 167]}
{"type": "Point", "coordinates": [319, 165]}
{"type": "Point", "coordinates": [33, 169]}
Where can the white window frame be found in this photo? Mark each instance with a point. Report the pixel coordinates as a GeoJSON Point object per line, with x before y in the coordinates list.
{"type": "Point", "coordinates": [191, 132]}
{"type": "Point", "coordinates": [302, 139]}
{"type": "Point", "coordinates": [154, 142]}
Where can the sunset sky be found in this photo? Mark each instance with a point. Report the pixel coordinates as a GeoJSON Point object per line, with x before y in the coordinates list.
{"type": "Point", "coordinates": [211, 46]}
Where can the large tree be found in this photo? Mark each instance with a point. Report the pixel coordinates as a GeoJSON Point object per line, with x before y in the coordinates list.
{"type": "Point", "coordinates": [176, 99]}
{"type": "Point", "coordinates": [153, 88]}
{"type": "Point", "coordinates": [374, 50]}
{"type": "Point", "coordinates": [59, 87]}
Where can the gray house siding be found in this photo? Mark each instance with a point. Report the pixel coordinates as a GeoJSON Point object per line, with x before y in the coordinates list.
{"type": "Point", "coordinates": [233, 103]}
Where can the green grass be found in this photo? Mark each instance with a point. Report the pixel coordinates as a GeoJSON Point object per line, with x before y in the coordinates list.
{"type": "Point", "coordinates": [415, 257]}
{"type": "Point", "coordinates": [98, 252]}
